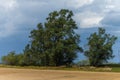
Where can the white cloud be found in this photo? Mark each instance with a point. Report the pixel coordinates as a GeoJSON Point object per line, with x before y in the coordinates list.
{"type": "Point", "coordinates": [7, 8]}
{"type": "Point", "coordinates": [15, 15]}
{"type": "Point", "coordinates": [8, 4]}
{"type": "Point", "coordinates": [88, 19]}
{"type": "Point", "coordinates": [112, 5]}
{"type": "Point", "coordinates": [32, 5]}
{"type": "Point", "coordinates": [91, 22]}
{"type": "Point", "coordinates": [78, 3]}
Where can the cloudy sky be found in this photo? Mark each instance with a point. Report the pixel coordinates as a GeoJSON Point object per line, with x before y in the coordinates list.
{"type": "Point", "coordinates": [19, 17]}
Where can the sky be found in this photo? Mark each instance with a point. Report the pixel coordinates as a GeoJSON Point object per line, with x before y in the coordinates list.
{"type": "Point", "coordinates": [19, 17]}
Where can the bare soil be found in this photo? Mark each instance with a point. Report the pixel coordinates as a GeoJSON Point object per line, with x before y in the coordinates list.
{"type": "Point", "coordinates": [32, 74]}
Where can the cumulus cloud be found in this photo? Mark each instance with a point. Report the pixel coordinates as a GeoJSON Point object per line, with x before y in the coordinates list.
{"type": "Point", "coordinates": [99, 13]}
{"type": "Point", "coordinates": [6, 9]}
{"type": "Point", "coordinates": [14, 16]}
{"type": "Point", "coordinates": [78, 3]}
{"type": "Point", "coordinates": [17, 15]}
{"type": "Point", "coordinates": [111, 19]}
{"type": "Point", "coordinates": [91, 22]}
{"type": "Point", "coordinates": [88, 19]}
{"type": "Point", "coordinates": [8, 4]}
{"type": "Point", "coordinates": [113, 5]}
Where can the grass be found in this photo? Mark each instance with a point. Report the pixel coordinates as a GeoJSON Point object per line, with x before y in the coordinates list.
{"type": "Point", "coordinates": [109, 68]}
{"type": "Point", "coordinates": [115, 69]}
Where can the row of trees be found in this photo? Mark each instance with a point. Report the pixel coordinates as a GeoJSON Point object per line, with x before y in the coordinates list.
{"type": "Point", "coordinates": [55, 43]}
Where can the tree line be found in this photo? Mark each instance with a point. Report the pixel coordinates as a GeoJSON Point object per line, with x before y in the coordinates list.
{"type": "Point", "coordinates": [55, 43]}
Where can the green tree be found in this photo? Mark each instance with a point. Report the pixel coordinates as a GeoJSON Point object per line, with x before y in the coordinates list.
{"type": "Point", "coordinates": [55, 42]}
{"type": "Point", "coordinates": [10, 59]}
{"type": "Point", "coordinates": [19, 59]}
{"type": "Point", "coordinates": [83, 63]}
{"type": "Point", "coordinates": [13, 59]}
{"type": "Point", "coordinates": [28, 57]}
{"type": "Point", "coordinates": [100, 47]}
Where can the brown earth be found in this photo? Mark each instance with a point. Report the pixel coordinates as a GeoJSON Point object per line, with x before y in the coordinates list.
{"type": "Point", "coordinates": [32, 74]}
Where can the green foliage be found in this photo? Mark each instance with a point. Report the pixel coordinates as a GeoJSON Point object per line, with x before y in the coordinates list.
{"type": "Point", "coordinates": [20, 59]}
{"type": "Point", "coordinates": [54, 43]}
{"type": "Point", "coordinates": [100, 47]}
{"type": "Point", "coordinates": [13, 59]}
{"type": "Point", "coordinates": [28, 57]}
{"type": "Point", "coordinates": [83, 63]}
{"type": "Point", "coordinates": [9, 59]}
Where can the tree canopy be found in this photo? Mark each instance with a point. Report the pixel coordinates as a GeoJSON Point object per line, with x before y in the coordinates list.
{"type": "Point", "coordinates": [100, 47]}
{"type": "Point", "coordinates": [55, 42]}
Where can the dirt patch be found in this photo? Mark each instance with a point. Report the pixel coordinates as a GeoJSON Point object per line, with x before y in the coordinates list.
{"type": "Point", "coordinates": [32, 74]}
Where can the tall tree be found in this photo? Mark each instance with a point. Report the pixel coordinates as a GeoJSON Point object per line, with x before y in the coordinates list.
{"type": "Point", "coordinates": [28, 57]}
{"type": "Point", "coordinates": [55, 42]}
{"type": "Point", "coordinates": [100, 47]}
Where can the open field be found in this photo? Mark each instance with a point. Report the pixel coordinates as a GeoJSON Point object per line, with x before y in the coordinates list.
{"type": "Point", "coordinates": [34, 74]}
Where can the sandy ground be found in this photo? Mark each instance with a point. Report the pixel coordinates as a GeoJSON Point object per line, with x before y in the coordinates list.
{"type": "Point", "coordinates": [31, 74]}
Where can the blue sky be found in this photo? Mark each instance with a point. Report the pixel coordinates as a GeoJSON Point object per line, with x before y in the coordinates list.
{"type": "Point", "coordinates": [19, 17]}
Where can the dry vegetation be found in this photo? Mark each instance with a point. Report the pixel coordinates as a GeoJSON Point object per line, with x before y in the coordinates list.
{"type": "Point", "coordinates": [35, 74]}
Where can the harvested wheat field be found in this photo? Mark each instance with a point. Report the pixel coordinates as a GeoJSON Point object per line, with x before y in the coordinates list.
{"type": "Point", "coordinates": [32, 74]}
